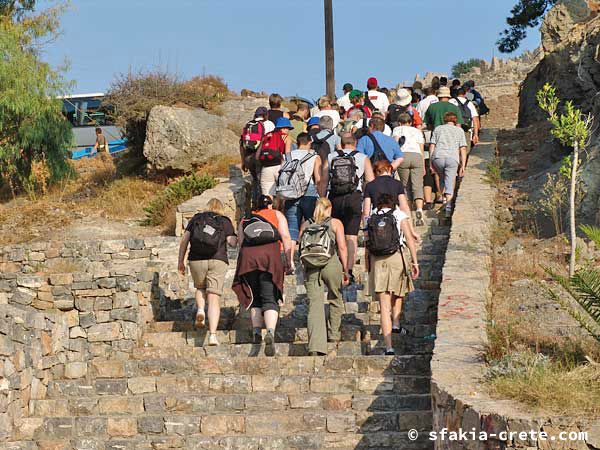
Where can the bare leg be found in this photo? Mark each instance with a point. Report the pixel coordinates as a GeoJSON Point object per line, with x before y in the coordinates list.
{"type": "Point", "coordinates": [438, 186]}
{"type": "Point", "coordinates": [428, 194]}
{"type": "Point", "coordinates": [385, 300]}
{"type": "Point", "coordinates": [352, 243]}
{"type": "Point", "coordinates": [257, 318]}
{"type": "Point", "coordinates": [396, 311]}
{"type": "Point", "coordinates": [419, 203]}
{"type": "Point", "coordinates": [200, 301]}
{"type": "Point", "coordinates": [214, 312]}
{"type": "Point", "coordinates": [271, 317]}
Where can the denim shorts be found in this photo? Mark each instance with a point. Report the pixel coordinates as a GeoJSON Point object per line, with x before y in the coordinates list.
{"type": "Point", "coordinates": [298, 210]}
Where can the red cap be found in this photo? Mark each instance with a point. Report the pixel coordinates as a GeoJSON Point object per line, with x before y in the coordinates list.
{"type": "Point", "coordinates": [372, 83]}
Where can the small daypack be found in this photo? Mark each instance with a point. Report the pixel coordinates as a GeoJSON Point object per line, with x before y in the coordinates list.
{"type": "Point", "coordinates": [252, 136]}
{"type": "Point", "coordinates": [344, 173]}
{"type": "Point", "coordinates": [316, 246]}
{"type": "Point", "coordinates": [207, 234]}
{"type": "Point", "coordinates": [465, 111]}
{"type": "Point", "coordinates": [383, 236]}
{"type": "Point", "coordinates": [259, 231]}
{"type": "Point", "coordinates": [394, 112]}
{"type": "Point", "coordinates": [271, 150]}
{"type": "Point", "coordinates": [364, 129]}
{"type": "Point", "coordinates": [291, 182]}
{"type": "Point", "coordinates": [368, 103]}
{"type": "Point", "coordinates": [321, 145]}
{"type": "Point", "coordinates": [378, 153]}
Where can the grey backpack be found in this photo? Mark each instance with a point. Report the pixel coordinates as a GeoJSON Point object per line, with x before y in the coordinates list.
{"type": "Point", "coordinates": [316, 245]}
{"type": "Point", "coordinates": [291, 182]}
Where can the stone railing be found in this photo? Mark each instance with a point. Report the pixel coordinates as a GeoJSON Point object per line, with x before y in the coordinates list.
{"type": "Point", "coordinates": [459, 398]}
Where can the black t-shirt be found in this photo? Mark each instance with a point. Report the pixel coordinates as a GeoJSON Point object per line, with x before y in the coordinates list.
{"type": "Point", "coordinates": [228, 230]}
{"type": "Point", "coordinates": [383, 185]}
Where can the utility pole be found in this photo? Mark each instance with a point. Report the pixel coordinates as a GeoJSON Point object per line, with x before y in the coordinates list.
{"type": "Point", "coordinates": [329, 61]}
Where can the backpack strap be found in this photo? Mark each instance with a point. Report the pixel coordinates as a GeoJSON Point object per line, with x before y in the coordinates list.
{"type": "Point", "coordinates": [307, 157]}
{"type": "Point", "coordinates": [375, 143]}
{"type": "Point", "coordinates": [340, 153]}
{"type": "Point", "coordinates": [354, 153]}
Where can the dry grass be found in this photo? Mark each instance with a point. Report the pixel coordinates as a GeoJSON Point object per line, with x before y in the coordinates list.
{"type": "Point", "coordinates": [219, 166]}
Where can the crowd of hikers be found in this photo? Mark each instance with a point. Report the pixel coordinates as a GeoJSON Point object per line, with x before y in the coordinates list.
{"type": "Point", "coordinates": [322, 176]}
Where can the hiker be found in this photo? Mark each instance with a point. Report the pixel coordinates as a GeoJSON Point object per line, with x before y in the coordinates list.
{"type": "Point", "coordinates": [430, 98]}
{"type": "Point", "coordinates": [348, 171]}
{"type": "Point", "coordinates": [207, 235]}
{"type": "Point", "coordinates": [402, 104]}
{"type": "Point", "coordinates": [324, 255]}
{"type": "Point", "coordinates": [259, 277]}
{"type": "Point", "coordinates": [470, 117]}
{"type": "Point", "coordinates": [391, 273]}
{"type": "Point", "coordinates": [101, 144]}
{"type": "Point", "coordinates": [326, 108]}
{"type": "Point", "coordinates": [378, 99]}
{"type": "Point", "coordinates": [298, 120]}
{"type": "Point", "coordinates": [383, 183]}
{"type": "Point", "coordinates": [275, 146]}
{"type": "Point", "coordinates": [386, 130]}
{"type": "Point", "coordinates": [417, 88]}
{"type": "Point", "coordinates": [434, 117]}
{"type": "Point", "coordinates": [435, 83]}
{"type": "Point", "coordinates": [377, 145]}
{"type": "Point", "coordinates": [455, 87]}
{"type": "Point", "coordinates": [356, 98]}
{"type": "Point", "coordinates": [475, 96]}
{"type": "Point", "coordinates": [444, 81]}
{"type": "Point", "coordinates": [298, 184]}
{"type": "Point", "coordinates": [412, 169]}
{"type": "Point", "coordinates": [275, 112]}
{"type": "Point", "coordinates": [250, 142]}
{"type": "Point", "coordinates": [344, 101]}
{"type": "Point", "coordinates": [326, 141]}
{"type": "Point", "coordinates": [448, 156]}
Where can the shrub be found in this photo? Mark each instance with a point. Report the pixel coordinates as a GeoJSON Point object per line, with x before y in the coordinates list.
{"type": "Point", "coordinates": [463, 67]}
{"type": "Point", "coordinates": [183, 189]}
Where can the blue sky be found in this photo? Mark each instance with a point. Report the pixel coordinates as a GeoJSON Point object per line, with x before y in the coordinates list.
{"type": "Point", "coordinates": [275, 45]}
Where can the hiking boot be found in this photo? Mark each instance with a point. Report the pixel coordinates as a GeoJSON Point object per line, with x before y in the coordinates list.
{"type": "Point", "coordinates": [269, 344]}
{"type": "Point", "coordinates": [419, 222]}
{"type": "Point", "coordinates": [212, 340]}
{"type": "Point", "coordinates": [200, 319]}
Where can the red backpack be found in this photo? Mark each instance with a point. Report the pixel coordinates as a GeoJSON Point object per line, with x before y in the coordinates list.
{"type": "Point", "coordinates": [272, 149]}
{"type": "Point", "coordinates": [252, 135]}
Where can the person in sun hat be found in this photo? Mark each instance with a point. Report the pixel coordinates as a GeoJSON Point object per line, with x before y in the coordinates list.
{"type": "Point", "coordinates": [378, 99]}
{"type": "Point", "coordinates": [276, 146]}
{"type": "Point", "coordinates": [403, 105]}
{"type": "Point", "coordinates": [434, 117]}
{"type": "Point", "coordinates": [344, 100]}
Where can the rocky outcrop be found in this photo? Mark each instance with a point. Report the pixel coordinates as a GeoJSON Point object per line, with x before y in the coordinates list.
{"type": "Point", "coordinates": [571, 63]}
{"type": "Point", "coordinates": [180, 139]}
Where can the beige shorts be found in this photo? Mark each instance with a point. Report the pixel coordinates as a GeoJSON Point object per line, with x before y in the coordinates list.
{"type": "Point", "coordinates": [388, 274]}
{"type": "Point", "coordinates": [268, 180]}
{"type": "Point", "coordinates": [209, 274]}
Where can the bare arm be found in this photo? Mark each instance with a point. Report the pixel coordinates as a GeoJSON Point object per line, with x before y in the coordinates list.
{"type": "Point", "coordinates": [405, 208]}
{"type": "Point", "coordinates": [240, 233]}
{"type": "Point", "coordinates": [286, 239]}
{"type": "Point", "coordinates": [183, 246]}
{"type": "Point", "coordinates": [412, 247]}
{"type": "Point", "coordinates": [232, 241]}
{"type": "Point", "coordinates": [369, 175]}
{"type": "Point", "coordinates": [340, 240]}
{"type": "Point", "coordinates": [396, 163]}
{"type": "Point", "coordinates": [366, 212]}
{"type": "Point", "coordinates": [476, 128]}
{"type": "Point", "coordinates": [317, 175]}
{"type": "Point", "coordinates": [324, 178]}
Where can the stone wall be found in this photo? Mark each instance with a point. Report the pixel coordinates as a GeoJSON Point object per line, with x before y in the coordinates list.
{"type": "Point", "coordinates": [459, 399]}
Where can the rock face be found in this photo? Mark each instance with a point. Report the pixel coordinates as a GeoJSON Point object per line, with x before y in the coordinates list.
{"type": "Point", "coordinates": [571, 42]}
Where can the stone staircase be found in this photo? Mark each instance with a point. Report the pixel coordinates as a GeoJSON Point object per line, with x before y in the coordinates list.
{"type": "Point", "coordinates": [174, 392]}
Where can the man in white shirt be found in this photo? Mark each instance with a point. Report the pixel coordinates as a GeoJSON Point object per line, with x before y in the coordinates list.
{"type": "Point", "coordinates": [344, 101]}
{"type": "Point", "coordinates": [326, 109]}
{"type": "Point", "coordinates": [430, 98]}
{"type": "Point", "coordinates": [472, 134]}
{"type": "Point", "coordinates": [379, 99]}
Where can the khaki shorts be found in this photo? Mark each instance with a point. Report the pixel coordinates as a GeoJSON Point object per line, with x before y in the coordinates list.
{"type": "Point", "coordinates": [209, 274]}
{"type": "Point", "coordinates": [388, 274]}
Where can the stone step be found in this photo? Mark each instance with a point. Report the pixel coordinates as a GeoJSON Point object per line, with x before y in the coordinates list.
{"type": "Point", "coordinates": [332, 433]}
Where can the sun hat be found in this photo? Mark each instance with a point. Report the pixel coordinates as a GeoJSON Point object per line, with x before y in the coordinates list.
{"type": "Point", "coordinates": [261, 111]}
{"type": "Point", "coordinates": [403, 97]}
{"type": "Point", "coordinates": [284, 122]}
{"type": "Point", "coordinates": [355, 94]}
{"type": "Point", "coordinates": [444, 92]}
{"type": "Point", "coordinates": [372, 83]}
{"type": "Point", "coordinates": [312, 121]}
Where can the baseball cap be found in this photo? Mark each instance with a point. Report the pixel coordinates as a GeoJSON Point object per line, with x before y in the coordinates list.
{"type": "Point", "coordinates": [347, 87]}
{"type": "Point", "coordinates": [372, 82]}
{"type": "Point", "coordinates": [355, 93]}
{"type": "Point", "coordinates": [261, 111]}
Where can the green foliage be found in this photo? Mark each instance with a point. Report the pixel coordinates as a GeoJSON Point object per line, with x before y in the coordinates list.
{"type": "Point", "coordinates": [494, 172]}
{"type": "Point", "coordinates": [32, 127]}
{"type": "Point", "coordinates": [16, 9]}
{"type": "Point", "coordinates": [177, 192]}
{"type": "Point", "coordinates": [592, 233]}
{"type": "Point", "coordinates": [463, 67]}
{"type": "Point", "coordinates": [553, 202]}
{"type": "Point", "coordinates": [525, 14]}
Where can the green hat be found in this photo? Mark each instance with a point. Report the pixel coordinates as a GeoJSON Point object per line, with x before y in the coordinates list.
{"type": "Point", "coordinates": [355, 94]}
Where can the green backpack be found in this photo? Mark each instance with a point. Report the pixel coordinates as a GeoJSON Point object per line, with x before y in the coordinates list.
{"type": "Point", "coordinates": [316, 245]}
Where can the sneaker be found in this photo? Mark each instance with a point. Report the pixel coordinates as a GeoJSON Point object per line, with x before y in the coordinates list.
{"type": "Point", "coordinates": [448, 210]}
{"type": "Point", "coordinates": [269, 344]}
{"type": "Point", "coordinates": [257, 337]}
{"type": "Point", "coordinates": [390, 352]}
{"type": "Point", "coordinates": [200, 319]}
{"type": "Point", "coordinates": [212, 340]}
{"type": "Point", "coordinates": [419, 222]}
{"type": "Point", "coordinates": [401, 331]}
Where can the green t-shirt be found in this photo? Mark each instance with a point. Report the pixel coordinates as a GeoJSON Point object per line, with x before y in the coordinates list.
{"type": "Point", "coordinates": [299, 127]}
{"type": "Point", "coordinates": [435, 113]}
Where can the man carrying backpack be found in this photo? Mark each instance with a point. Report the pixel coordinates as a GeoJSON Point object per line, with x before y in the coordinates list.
{"type": "Point", "coordinates": [377, 146]}
{"type": "Point", "coordinates": [378, 100]}
{"type": "Point", "coordinates": [325, 141]}
{"type": "Point", "coordinates": [348, 171]}
{"type": "Point", "coordinates": [298, 120]}
{"type": "Point", "coordinates": [208, 234]}
{"type": "Point", "coordinates": [470, 117]}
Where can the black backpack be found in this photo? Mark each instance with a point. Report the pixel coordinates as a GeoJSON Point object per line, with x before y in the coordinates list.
{"type": "Point", "coordinates": [343, 173]}
{"type": "Point", "coordinates": [207, 234]}
{"type": "Point", "coordinates": [368, 103]}
{"type": "Point", "coordinates": [383, 236]}
{"type": "Point", "coordinates": [394, 112]}
{"type": "Point", "coordinates": [321, 146]}
{"type": "Point", "coordinates": [378, 153]}
{"type": "Point", "coordinates": [465, 111]}
{"type": "Point", "coordinates": [259, 231]}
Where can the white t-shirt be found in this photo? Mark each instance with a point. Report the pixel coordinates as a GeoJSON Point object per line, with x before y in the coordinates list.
{"type": "Point", "coordinates": [387, 130]}
{"type": "Point", "coordinates": [414, 138]}
{"type": "Point", "coordinates": [359, 159]}
{"type": "Point", "coordinates": [424, 104]}
{"type": "Point", "coordinates": [268, 125]}
{"type": "Point", "coordinates": [380, 100]}
{"type": "Point", "coordinates": [399, 215]}
{"type": "Point", "coordinates": [470, 105]}
{"type": "Point", "coordinates": [344, 101]}
{"type": "Point", "coordinates": [335, 116]}
{"type": "Point", "coordinates": [309, 165]}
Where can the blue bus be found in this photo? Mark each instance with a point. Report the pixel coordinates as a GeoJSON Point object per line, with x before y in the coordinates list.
{"type": "Point", "coordinates": [86, 112]}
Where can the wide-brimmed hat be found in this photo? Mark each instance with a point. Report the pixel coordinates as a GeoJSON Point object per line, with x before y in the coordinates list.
{"type": "Point", "coordinates": [444, 92]}
{"type": "Point", "coordinates": [312, 122]}
{"type": "Point", "coordinates": [403, 97]}
{"type": "Point", "coordinates": [284, 122]}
